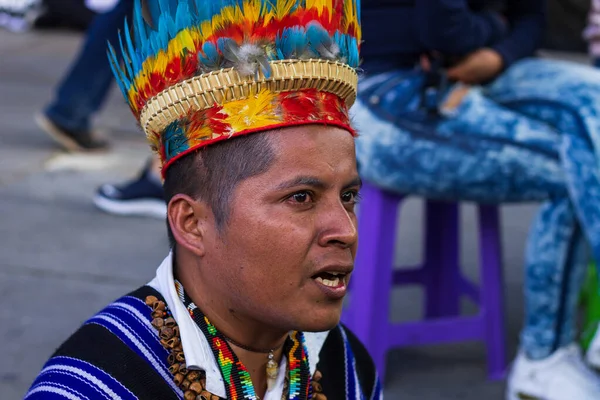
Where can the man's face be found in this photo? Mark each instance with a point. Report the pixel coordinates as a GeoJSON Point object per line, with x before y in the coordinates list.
{"type": "Point", "coordinates": [285, 257]}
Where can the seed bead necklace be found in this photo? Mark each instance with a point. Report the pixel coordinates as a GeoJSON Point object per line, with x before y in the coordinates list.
{"type": "Point", "coordinates": [237, 379]}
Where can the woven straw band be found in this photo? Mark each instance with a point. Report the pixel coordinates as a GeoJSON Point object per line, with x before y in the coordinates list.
{"type": "Point", "coordinates": [204, 91]}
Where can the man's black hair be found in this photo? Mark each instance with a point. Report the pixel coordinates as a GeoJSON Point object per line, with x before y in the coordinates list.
{"type": "Point", "coordinates": [212, 173]}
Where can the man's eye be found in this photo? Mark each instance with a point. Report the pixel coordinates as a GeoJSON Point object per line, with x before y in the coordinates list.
{"type": "Point", "coordinates": [301, 197]}
{"type": "Point", "coordinates": [350, 197]}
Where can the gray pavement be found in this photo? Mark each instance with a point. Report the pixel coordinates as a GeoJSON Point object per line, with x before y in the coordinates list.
{"type": "Point", "coordinates": [62, 260]}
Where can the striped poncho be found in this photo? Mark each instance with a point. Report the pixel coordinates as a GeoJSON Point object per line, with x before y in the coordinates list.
{"type": "Point", "coordinates": [117, 354]}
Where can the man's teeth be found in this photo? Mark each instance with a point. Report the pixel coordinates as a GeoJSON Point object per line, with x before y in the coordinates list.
{"type": "Point", "coordinates": [329, 282]}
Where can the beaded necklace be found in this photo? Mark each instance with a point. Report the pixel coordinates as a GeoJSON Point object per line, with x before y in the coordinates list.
{"type": "Point", "coordinates": [235, 375]}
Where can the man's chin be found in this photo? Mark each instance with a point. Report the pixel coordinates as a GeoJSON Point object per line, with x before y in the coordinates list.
{"type": "Point", "coordinates": [321, 322]}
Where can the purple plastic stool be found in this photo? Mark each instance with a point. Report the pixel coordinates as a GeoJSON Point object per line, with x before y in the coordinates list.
{"type": "Point", "coordinates": [367, 314]}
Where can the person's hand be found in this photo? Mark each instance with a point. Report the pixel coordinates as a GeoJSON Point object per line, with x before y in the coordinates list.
{"type": "Point", "coordinates": [479, 66]}
{"type": "Point", "coordinates": [455, 97]}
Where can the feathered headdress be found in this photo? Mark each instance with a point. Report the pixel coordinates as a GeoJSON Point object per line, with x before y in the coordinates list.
{"type": "Point", "coordinates": [207, 70]}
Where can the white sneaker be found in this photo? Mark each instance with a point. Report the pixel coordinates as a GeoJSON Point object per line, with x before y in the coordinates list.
{"type": "Point", "coordinates": [562, 376]}
{"type": "Point", "coordinates": [593, 354]}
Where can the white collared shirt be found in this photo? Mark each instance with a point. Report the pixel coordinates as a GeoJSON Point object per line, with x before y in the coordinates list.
{"type": "Point", "coordinates": [198, 354]}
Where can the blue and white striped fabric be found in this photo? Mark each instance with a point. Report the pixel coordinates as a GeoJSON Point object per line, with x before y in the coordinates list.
{"type": "Point", "coordinates": [70, 378]}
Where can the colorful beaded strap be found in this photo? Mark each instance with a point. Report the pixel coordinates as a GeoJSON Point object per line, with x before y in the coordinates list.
{"type": "Point", "coordinates": [235, 375]}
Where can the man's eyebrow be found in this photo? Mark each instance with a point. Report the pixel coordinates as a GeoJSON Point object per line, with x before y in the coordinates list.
{"type": "Point", "coordinates": [315, 182]}
{"type": "Point", "coordinates": [354, 182]}
{"type": "Point", "coordinates": [303, 180]}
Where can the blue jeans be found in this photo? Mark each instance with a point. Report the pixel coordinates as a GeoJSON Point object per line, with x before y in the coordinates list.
{"type": "Point", "coordinates": [84, 89]}
{"type": "Point", "coordinates": [531, 135]}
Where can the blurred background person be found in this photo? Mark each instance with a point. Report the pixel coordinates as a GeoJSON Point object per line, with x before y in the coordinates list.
{"type": "Point", "coordinates": [450, 107]}
{"type": "Point", "coordinates": [592, 32]}
{"type": "Point", "coordinates": [142, 196]}
{"type": "Point", "coordinates": [67, 119]}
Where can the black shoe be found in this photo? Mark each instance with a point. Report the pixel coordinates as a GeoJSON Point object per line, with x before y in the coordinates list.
{"type": "Point", "coordinates": [70, 140]}
{"type": "Point", "coordinates": [141, 197]}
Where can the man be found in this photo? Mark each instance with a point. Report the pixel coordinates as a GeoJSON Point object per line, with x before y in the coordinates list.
{"type": "Point", "coordinates": [262, 225]}
{"type": "Point", "coordinates": [450, 109]}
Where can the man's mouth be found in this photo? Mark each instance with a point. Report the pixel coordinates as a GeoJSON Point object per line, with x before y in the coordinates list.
{"type": "Point", "coordinates": [332, 283]}
{"type": "Point", "coordinates": [331, 279]}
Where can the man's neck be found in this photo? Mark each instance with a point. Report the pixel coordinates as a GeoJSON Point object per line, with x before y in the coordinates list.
{"type": "Point", "coordinates": [241, 330]}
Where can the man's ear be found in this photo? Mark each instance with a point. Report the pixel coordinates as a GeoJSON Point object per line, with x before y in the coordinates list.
{"type": "Point", "coordinates": [189, 220]}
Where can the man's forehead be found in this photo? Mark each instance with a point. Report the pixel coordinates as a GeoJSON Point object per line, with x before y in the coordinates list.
{"type": "Point", "coordinates": [307, 137]}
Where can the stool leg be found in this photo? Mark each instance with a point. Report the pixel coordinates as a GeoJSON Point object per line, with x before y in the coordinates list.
{"type": "Point", "coordinates": [372, 277]}
{"type": "Point", "coordinates": [442, 259]}
{"type": "Point", "coordinates": [492, 284]}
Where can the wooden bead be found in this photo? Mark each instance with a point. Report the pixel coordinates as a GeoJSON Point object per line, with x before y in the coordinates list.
{"type": "Point", "coordinates": [174, 368]}
{"type": "Point", "coordinates": [171, 359]}
{"type": "Point", "coordinates": [178, 378]}
{"type": "Point", "coordinates": [180, 357]}
{"type": "Point", "coordinates": [158, 314]}
{"type": "Point", "coordinates": [193, 376]}
{"type": "Point", "coordinates": [183, 369]}
{"type": "Point", "coordinates": [185, 385]}
{"type": "Point", "coordinates": [317, 388]}
{"type": "Point", "coordinates": [170, 322]}
{"type": "Point", "coordinates": [196, 387]}
{"type": "Point", "coordinates": [158, 323]}
{"type": "Point", "coordinates": [159, 306]}
{"type": "Point", "coordinates": [189, 395]}
{"type": "Point", "coordinates": [174, 341]}
{"type": "Point", "coordinates": [166, 332]}
{"type": "Point", "coordinates": [317, 376]}
{"type": "Point", "coordinates": [319, 396]}
{"type": "Point", "coordinates": [202, 396]}
{"type": "Point", "coordinates": [151, 300]}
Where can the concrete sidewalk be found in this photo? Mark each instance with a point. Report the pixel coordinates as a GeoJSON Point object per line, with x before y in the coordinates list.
{"type": "Point", "coordinates": [62, 260]}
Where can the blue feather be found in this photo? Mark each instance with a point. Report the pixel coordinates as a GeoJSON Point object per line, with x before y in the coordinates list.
{"type": "Point", "coordinates": [139, 25]}
{"type": "Point", "coordinates": [166, 6]}
{"type": "Point", "coordinates": [353, 59]}
{"type": "Point", "coordinates": [162, 35]}
{"type": "Point", "coordinates": [114, 62]}
{"type": "Point", "coordinates": [183, 17]}
{"type": "Point", "coordinates": [137, 66]}
{"type": "Point", "coordinates": [203, 9]}
{"type": "Point", "coordinates": [174, 140]}
{"type": "Point", "coordinates": [224, 43]}
{"type": "Point", "coordinates": [318, 38]}
{"type": "Point", "coordinates": [340, 40]}
{"type": "Point", "coordinates": [126, 59]}
{"type": "Point", "coordinates": [154, 44]}
{"type": "Point", "coordinates": [154, 11]}
{"type": "Point", "coordinates": [292, 42]}
{"type": "Point", "coordinates": [211, 59]}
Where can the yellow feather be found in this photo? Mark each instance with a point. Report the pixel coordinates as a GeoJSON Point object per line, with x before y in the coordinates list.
{"type": "Point", "coordinates": [160, 62]}
{"type": "Point", "coordinates": [185, 39]}
{"type": "Point", "coordinates": [284, 7]}
{"type": "Point", "coordinates": [251, 10]}
{"type": "Point", "coordinates": [320, 5]}
{"type": "Point", "coordinates": [350, 14]}
{"type": "Point", "coordinates": [257, 111]}
{"type": "Point", "coordinates": [199, 135]}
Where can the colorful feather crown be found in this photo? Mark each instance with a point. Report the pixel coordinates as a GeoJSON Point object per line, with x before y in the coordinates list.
{"type": "Point", "coordinates": [207, 70]}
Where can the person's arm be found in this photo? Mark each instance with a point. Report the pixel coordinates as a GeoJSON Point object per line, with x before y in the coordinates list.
{"type": "Point", "coordinates": [592, 31]}
{"type": "Point", "coordinates": [527, 21]}
{"type": "Point", "coordinates": [450, 27]}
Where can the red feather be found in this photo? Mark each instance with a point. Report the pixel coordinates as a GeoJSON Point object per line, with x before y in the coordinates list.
{"type": "Point", "coordinates": [298, 106]}
{"type": "Point", "coordinates": [173, 71]}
